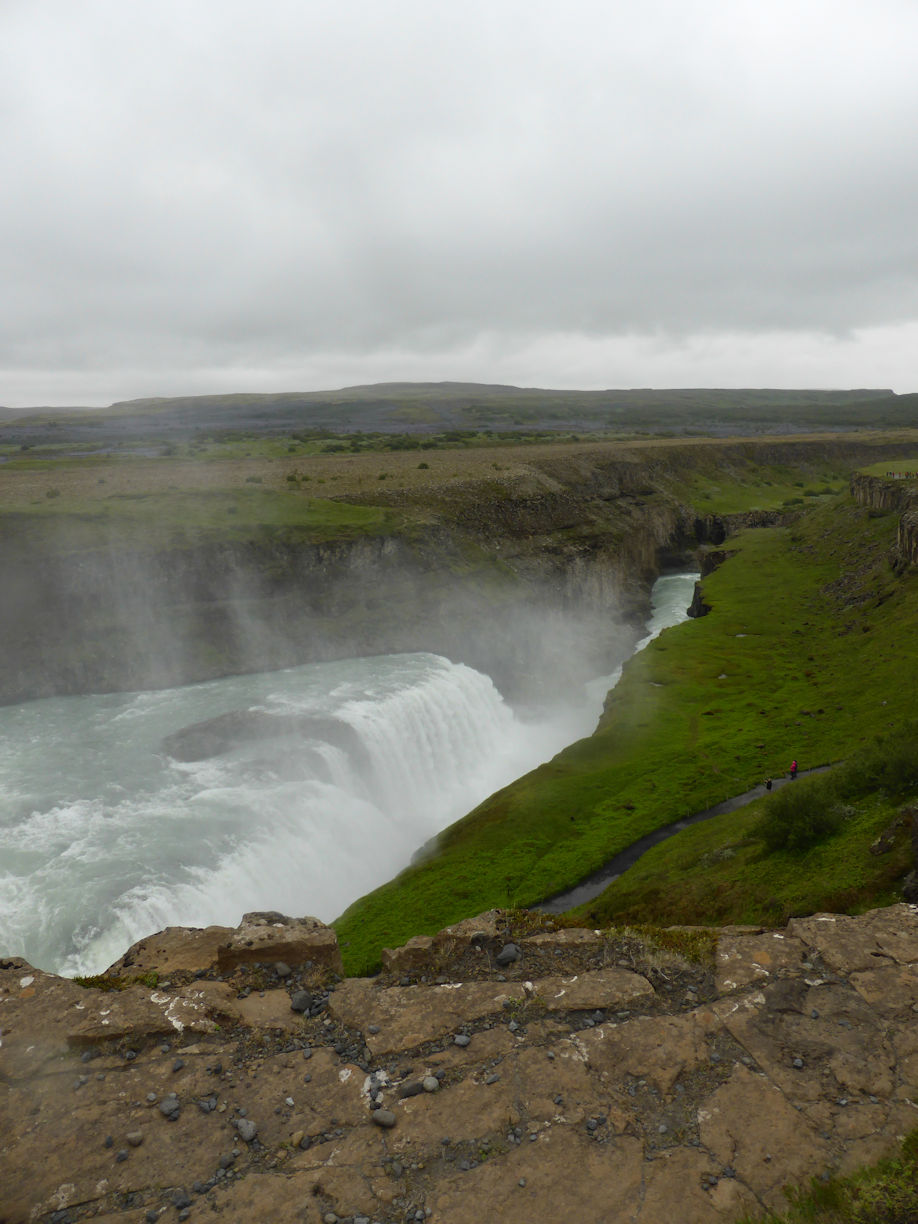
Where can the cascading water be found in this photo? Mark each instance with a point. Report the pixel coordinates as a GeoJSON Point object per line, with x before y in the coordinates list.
{"type": "Point", "coordinates": [105, 837]}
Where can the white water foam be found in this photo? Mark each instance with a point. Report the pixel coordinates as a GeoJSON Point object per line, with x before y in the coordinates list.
{"type": "Point", "coordinates": [105, 839]}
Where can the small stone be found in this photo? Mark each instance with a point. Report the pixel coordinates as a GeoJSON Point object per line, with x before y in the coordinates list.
{"type": "Point", "coordinates": [121, 1155]}
{"type": "Point", "coordinates": [461, 1039]}
{"type": "Point", "coordinates": [798, 1063]}
{"type": "Point", "coordinates": [430, 1083]}
{"type": "Point", "coordinates": [134, 1138]}
{"type": "Point", "coordinates": [152, 1098]}
{"type": "Point", "coordinates": [384, 1117]}
{"type": "Point", "coordinates": [492, 1079]}
{"type": "Point", "coordinates": [170, 1107]}
{"type": "Point", "coordinates": [282, 969]}
{"type": "Point", "coordinates": [509, 953]}
{"type": "Point", "coordinates": [180, 1199]}
{"type": "Point", "coordinates": [329, 1218]}
{"type": "Point", "coordinates": [300, 1001]}
{"type": "Point", "coordinates": [247, 1129]}
{"type": "Point", "coordinates": [151, 1217]}
{"type": "Point", "coordinates": [521, 1182]}
{"type": "Point", "coordinates": [373, 1029]}
{"type": "Point", "coordinates": [178, 1064]}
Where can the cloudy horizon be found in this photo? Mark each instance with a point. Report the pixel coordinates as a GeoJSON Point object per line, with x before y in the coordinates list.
{"type": "Point", "coordinates": [212, 197]}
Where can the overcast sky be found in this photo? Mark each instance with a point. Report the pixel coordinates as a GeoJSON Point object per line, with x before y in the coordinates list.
{"type": "Point", "coordinates": [218, 195]}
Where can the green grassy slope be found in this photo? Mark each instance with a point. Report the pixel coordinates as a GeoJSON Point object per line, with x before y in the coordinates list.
{"type": "Point", "coordinates": [810, 649]}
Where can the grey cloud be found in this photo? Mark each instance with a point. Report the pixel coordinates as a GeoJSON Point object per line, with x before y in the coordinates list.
{"type": "Point", "coordinates": [205, 191]}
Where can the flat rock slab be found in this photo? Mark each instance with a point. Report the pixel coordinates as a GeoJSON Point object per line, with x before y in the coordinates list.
{"type": "Point", "coordinates": [744, 959]}
{"type": "Point", "coordinates": [847, 944]}
{"type": "Point", "coordinates": [407, 1016]}
{"type": "Point", "coordinates": [597, 989]}
{"type": "Point", "coordinates": [696, 1109]}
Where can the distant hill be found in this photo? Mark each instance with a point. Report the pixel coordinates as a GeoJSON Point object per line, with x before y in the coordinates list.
{"type": "Point", "coordinates": [437, 407]}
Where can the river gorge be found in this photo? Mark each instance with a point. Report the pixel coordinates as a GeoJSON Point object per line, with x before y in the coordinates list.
{"type": "Point", "coordinates": [105, 835]}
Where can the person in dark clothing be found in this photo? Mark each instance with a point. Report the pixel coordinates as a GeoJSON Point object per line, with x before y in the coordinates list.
{"type": "Point", "coordinates": [768, 784]}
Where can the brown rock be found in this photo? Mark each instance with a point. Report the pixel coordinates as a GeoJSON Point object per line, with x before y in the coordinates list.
{"type": "Point", "coordinates": [409, 1015]}
{"type": "Point", "coordinates": [744, 959]}
{"type": "Point", "coordinates": [416, 954]}
{"type": "Point", "coordinates": [676, 1109]}
{"type": "Point", "coordinates": [270, 937]}
{"type": "Point", "coordinates": [593, 989]}
{"type": "Point", "coordinates": [847, 943]}
{"type": "Point", "coordinates": [174, 950]}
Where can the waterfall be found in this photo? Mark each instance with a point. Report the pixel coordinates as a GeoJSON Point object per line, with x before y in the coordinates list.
{"type": "Point", "coordinates": [313, 786]}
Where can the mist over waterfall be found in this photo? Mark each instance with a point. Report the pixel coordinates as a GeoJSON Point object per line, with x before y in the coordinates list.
{"type": "Point", "coordinates": [297, 790]}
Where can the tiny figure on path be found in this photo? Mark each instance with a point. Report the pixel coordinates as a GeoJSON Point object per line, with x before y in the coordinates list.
{"type": "Point", "coordinates": [768, 784]}
{"type": "Point", "coordinates": [793, 770]}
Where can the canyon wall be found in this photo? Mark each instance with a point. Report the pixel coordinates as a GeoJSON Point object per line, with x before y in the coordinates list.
{"type": "Point", "coordinates": [484, 571]}
{"type": "Point", "coordinates": [889, 495]}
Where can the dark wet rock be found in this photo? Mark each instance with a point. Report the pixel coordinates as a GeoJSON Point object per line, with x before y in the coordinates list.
{"type": "Point", "coordinates": [301, 1001]}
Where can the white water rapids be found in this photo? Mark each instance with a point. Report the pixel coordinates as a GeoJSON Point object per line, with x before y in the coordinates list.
{"type": "Point", "coordinates": [104, 838]}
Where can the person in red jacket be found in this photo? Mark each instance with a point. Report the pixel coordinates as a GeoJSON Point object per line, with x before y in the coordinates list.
{"type": "Point", "coordinates": [793, 770]}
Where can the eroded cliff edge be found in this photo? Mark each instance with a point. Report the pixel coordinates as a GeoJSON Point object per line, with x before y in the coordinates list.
{"type": "Point", "coordinates": [886, 495]}
{"type": "Point", "coordinates": [496, 1070]}
{"type": "Point", "coordinates": [83, 608]}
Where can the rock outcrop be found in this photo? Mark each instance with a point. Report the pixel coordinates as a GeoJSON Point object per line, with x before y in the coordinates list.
{"type": "Point", "coordinates": [492, 1071]}
{"type": "Point", "coordinates": [889, 495]}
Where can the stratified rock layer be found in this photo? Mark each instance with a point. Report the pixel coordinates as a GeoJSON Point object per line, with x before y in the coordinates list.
{"type": "Point", "coordinates": [595, 1078]}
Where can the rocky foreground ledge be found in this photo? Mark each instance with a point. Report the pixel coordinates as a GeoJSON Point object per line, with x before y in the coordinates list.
{"type": "Point", "coordinates": [486, 1074]}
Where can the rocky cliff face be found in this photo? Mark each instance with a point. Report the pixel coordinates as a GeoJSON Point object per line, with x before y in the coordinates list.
{"type": "Point", "coordinates": [108, 617]}
{"type": "Point", "coordinates": [887, 495]}
{"type": "Point", "coordinates": [491, 1072]}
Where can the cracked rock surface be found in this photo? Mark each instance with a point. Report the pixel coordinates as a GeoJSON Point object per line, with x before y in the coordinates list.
{"type": "Point", "coordinates": [596, 1077]}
